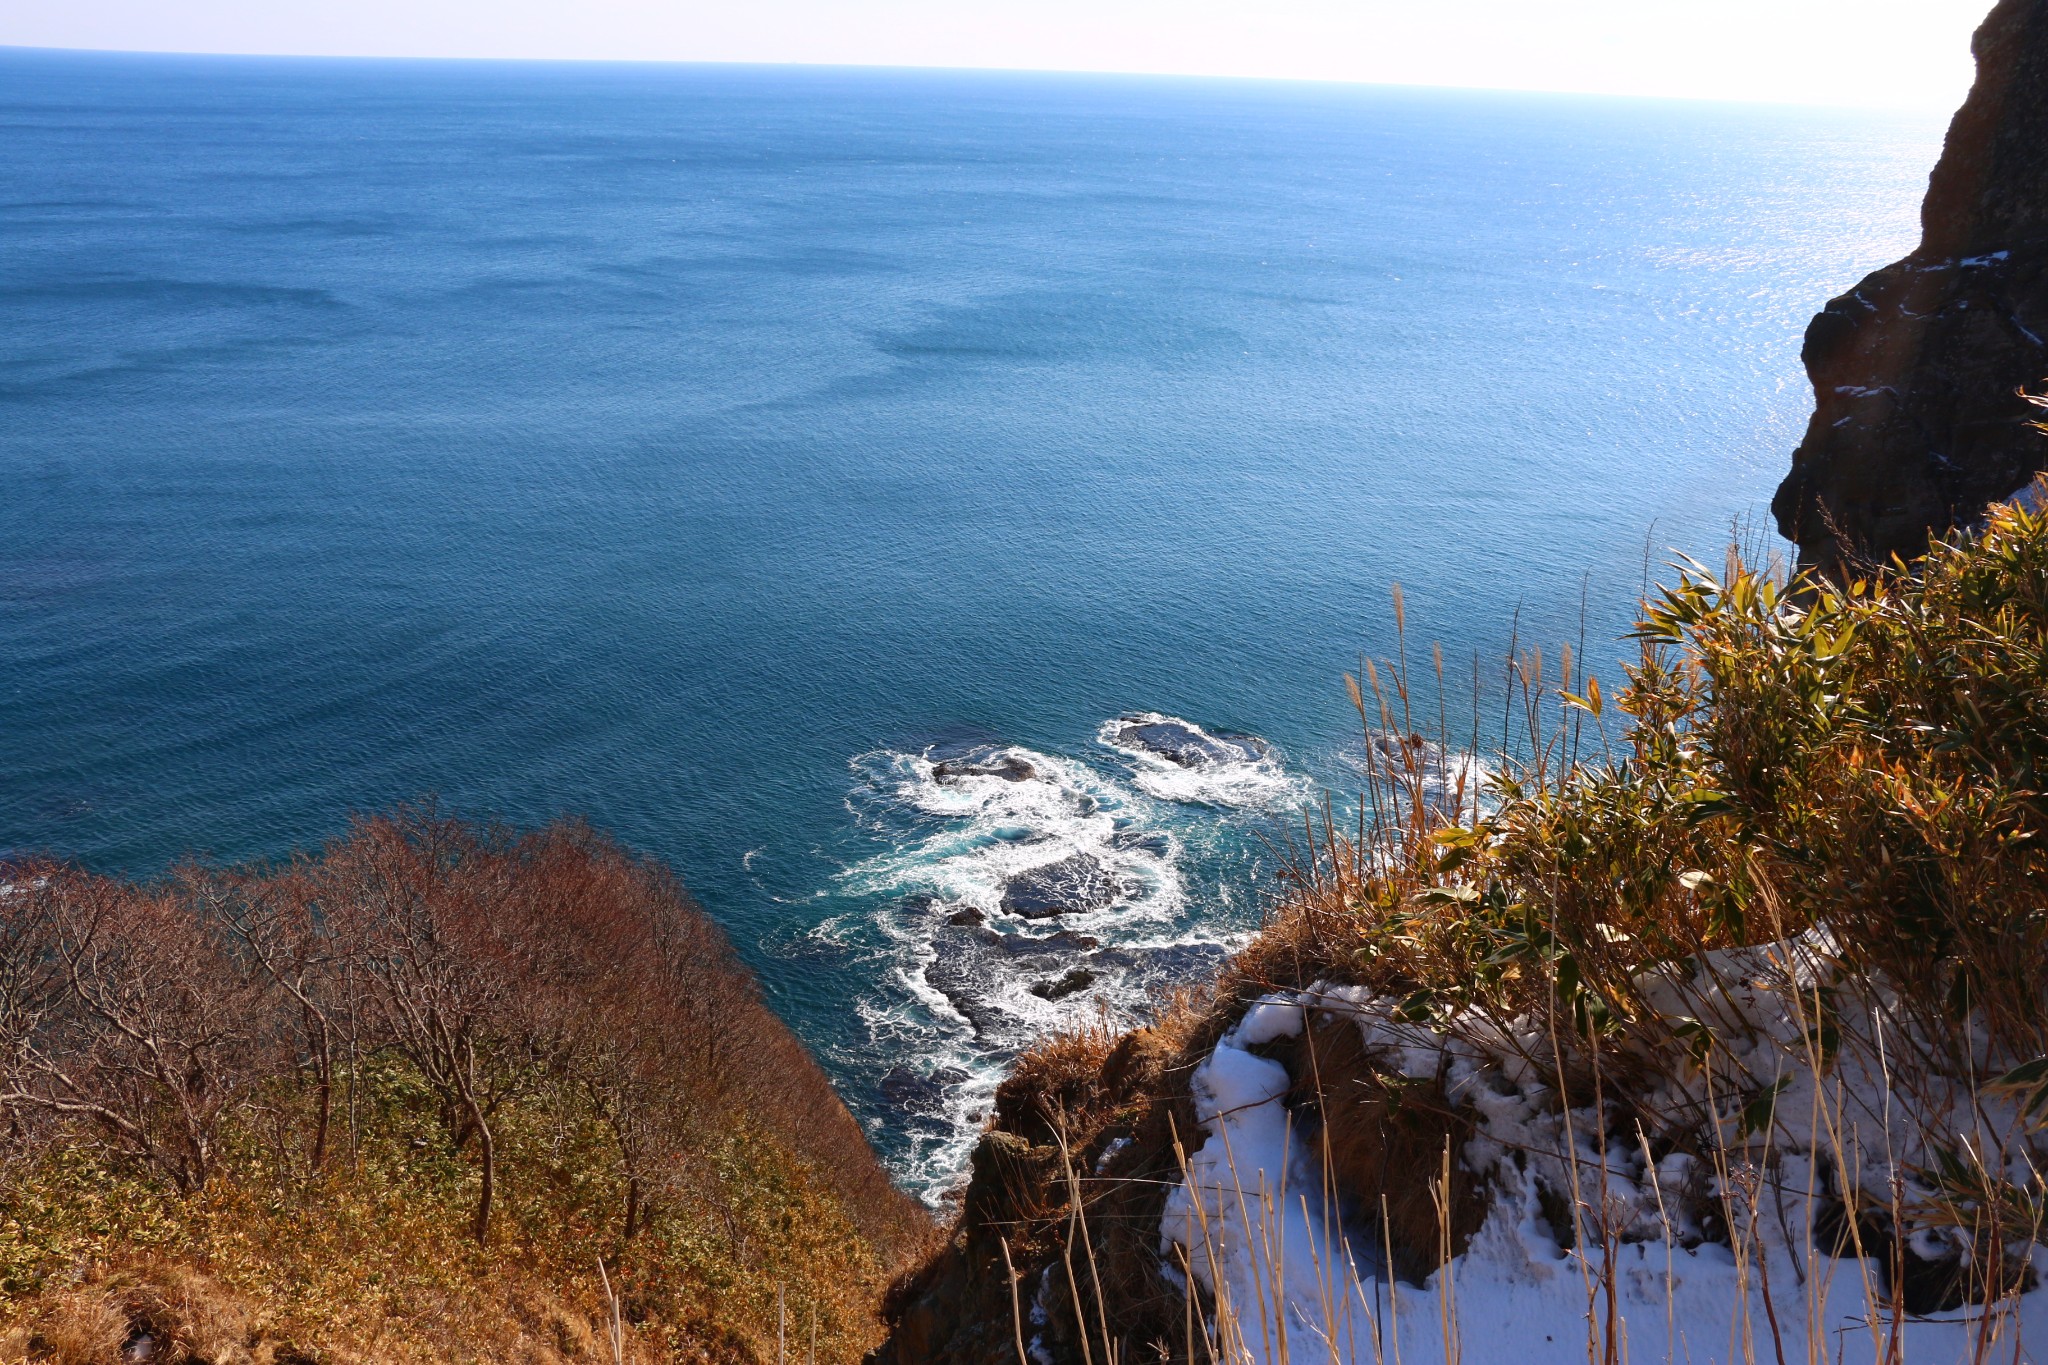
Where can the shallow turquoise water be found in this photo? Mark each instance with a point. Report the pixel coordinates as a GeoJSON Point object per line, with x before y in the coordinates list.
{"type": "Point", "coordinates": [695, 448]}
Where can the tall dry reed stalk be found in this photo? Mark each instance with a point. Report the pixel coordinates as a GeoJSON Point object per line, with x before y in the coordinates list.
{"type": "Point", "coordinates": [1817, 803]}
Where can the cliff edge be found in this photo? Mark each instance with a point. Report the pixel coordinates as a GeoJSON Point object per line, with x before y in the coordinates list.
{"type": "Point", "coordinates": [1917, 372]}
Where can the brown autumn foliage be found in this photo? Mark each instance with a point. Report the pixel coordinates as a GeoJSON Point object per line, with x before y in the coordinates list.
{"type": "Point", "coordinates": [571, 1030]}
{"type": "Point", "coordinates": [121, 1011]}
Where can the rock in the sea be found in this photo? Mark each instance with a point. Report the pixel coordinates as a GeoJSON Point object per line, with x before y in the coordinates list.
{"type": "Point", "coordinates": [917, 1094]}
{"type": "Point", "coordinates": [1023, 945]}
{"type": "Point", "coordinates": [1009, 767]}
{"type": "Point", "coordinates": [1074, 884]}
{"type": "Point", "coordinates": [964, 979]}
{"type": "Point", "coordinates": [911, 1092]}
{"type": "Point", "coordinates": [1059, 988]}
{"type": "Point", "coordinates": [1180, 962]}
{"type": "Point", "coordinates": [1917, 372]}
{"type": "Point", "coordinates": [1180, 743]}
{"type": "Point", "coordinates": [972, 968]}
{"type": "Point", "coordinates": [966, 919]}
{"type": "Point", "coordinates": [1138, 841]}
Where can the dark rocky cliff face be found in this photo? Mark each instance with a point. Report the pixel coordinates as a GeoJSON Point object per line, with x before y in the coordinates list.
{"type": "Point", "coordinates": [1918, 422]}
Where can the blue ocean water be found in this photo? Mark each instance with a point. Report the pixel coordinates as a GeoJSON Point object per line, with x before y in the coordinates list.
{"type": "Point", "coordinates": [714, 451]}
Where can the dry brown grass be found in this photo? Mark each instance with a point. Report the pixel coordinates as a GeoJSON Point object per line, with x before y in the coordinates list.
{"type": "Point", "coordinates": [170, 1314]}
{"type": "Point", "coordinates": [1375, 1135]}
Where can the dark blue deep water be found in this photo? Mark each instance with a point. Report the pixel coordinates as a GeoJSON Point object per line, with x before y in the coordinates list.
{"type": "Point", "coordinates": [710, 450]}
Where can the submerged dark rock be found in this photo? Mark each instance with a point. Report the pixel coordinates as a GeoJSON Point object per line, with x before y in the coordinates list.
{"type": "Point", "coordinates": [1178, 962]}
{"type": "Point", "coordinates": [922, 1095]}
{"type": "Point", "coordinates": [1024, 945]}
{"type": "Point", "coordinates": [1187, 745]}
{"type": "Point", "coordinates": [1136, 841]}
{"type": "Point", "coordinates": [1076, 979]}
{"type": "Point", "coordinates": [908, 1091]}
{"type": "Point", "coordinates": [972, 966]}
{"type": "Point", "coordinates": [1074, 884]}
{"type": "Point", "coordinates": [1918, 420]}
{"type": "Point", "coordinates": [965, 982]}
{"type": "Point", "coordinates": [977, 967]}
{"type": "Point", "coordinates": [1009, 767]}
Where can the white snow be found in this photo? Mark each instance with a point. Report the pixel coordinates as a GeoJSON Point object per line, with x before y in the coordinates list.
{"type": "Point", "coordinates": [1297, 1280]}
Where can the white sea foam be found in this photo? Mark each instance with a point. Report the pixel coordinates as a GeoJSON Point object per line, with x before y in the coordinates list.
{"type": "Point", "coordinates": [956, 999]}
{"type": "Point", "coordinates": [1450, 780]}
{"type": "Point", "coordinates": [1199, 766]}
{"type": "Point", "coordinates": [993, 828]}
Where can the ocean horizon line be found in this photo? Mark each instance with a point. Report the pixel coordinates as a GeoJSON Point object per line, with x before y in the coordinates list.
{"type": "Point", "coordinates": [1078, 74]}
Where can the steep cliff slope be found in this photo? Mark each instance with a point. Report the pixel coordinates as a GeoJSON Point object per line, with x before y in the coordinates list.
{"type": "Point", "coordinates": [436, 1094]}
{"type": "Point", "coordinates": [1727, 1043]}
{"type": "Point", "coordinates": [1917, 371]}
{"type": "Point", "coordinates": [1726, 1040]}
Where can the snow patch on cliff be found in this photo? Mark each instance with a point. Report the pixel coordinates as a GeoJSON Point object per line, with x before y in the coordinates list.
{"type": "Point", "coordinates": [1298, 1276]}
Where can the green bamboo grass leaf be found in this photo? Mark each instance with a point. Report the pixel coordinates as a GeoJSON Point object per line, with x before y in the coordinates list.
{"type": "Point", "coordinates": [1838, 644]}
{"type": "Point", "coordinates": [1590, 701]}
{"type": "Point", "coordinates": [1756, 1116]}
{"type": "Point", "coordinates": [1696, 1038]}
{"type": "Point", "coordinates": [1458, 843]}
{"type": "Point", "coordinates": [1704, 803]}
{"type": "Point", "coordinates": [1418, 1008]}
{"type": "Point", "coordinates": [1825, 1040]}
{"type": "Point", "coordinates": [2027, 1082]}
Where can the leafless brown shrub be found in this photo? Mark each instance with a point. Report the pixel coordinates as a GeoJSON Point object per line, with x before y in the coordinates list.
{"type": "Point", "coordinates": [123, 1010]}
{"type": "Point", "coordinates": [274, 918]}
{"type": "Point", "coordinates": [415, 903]}
{"type": "Point", "coordinates": [641, 1002]}
{"type": "Point", "coordinates": [550, 972]}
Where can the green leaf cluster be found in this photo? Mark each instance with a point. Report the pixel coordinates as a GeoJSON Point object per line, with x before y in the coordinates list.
{"type": "Point", "coordinates": [1867, 756]}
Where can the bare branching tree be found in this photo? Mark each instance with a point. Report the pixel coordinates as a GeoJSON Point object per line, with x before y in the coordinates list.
{"type": "Point", "coordinates": [502, 969]}
{"type": "Point", "coordinates": [277, 924]}
{"type": "Point", "coordinates": [129, 1012]}
{"type": "Point", "coordinates": [415, 901]}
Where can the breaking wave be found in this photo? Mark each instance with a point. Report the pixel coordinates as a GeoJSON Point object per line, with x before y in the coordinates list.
{"type": "Point", "coordinates": [986, 825]}
{"type": "Point", "coordinates": [1014, 893]}
{"type": "Point", "coordinates": [1177, 760]}
{"type": "Point", "coordinates": [1409, 767]}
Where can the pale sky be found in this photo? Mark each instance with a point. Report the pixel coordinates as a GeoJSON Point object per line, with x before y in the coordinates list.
{"type": "Point", "coordinates": [1906, 53]}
